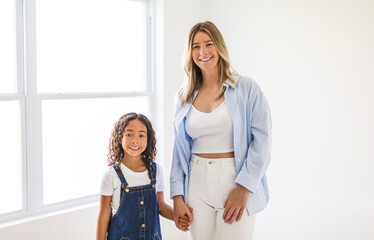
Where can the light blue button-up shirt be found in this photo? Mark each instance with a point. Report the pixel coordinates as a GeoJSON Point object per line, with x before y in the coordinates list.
{"type": "Point", "coordinates": [250, 115]}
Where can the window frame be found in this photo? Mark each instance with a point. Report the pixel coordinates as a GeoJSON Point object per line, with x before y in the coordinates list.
{"type": "Point", "coordinates": [31, 112]}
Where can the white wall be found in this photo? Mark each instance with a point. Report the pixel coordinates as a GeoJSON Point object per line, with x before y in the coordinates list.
{"type": "Point", "coordinates": [315, 62]}
{"type": "Point", "coordinates": [70, 224]}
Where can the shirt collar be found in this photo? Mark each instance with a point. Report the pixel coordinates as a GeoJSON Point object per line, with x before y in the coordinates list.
{"type": "Point", "coordinates": [230, 83]}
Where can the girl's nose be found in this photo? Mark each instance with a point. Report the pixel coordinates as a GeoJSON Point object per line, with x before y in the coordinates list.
{"type": "Point", "coordinates": [134, 140]}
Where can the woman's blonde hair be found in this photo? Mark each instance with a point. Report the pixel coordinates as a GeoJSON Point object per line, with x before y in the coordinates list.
{"type": "Point", "coordinates": [193, 76]}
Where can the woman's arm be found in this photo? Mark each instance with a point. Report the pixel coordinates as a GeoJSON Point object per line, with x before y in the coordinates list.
{"type": "Point", "coordinates": [104, 217]}
{"type": "Point", "coordinates": [257, 155]}
{"type": "Point", "coordinates": [182, 213]}
{"type": "Point", "coordinates": [258, 152]}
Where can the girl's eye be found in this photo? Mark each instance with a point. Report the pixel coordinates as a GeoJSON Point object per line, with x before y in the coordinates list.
{"type": "Point", "coordinates": [196, 46]}
{"type": "Point", "coordinates": [142, 136]}
{"type": "Point", "coordinates": [128, 135]}
{"type": "Point", "coordinates": [209, 44]}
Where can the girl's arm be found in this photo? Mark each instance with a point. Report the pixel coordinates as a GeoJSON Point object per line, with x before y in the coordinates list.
{"type": "Point", "coordinates": [104, 217]}
{"type": "Point", "coordinates": [165, 210]}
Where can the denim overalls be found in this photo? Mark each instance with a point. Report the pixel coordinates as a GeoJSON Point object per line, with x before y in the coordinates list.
{"type": "Point", "coordinates": [137, 217]}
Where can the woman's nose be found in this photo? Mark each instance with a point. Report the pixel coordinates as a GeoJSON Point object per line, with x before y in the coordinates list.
{"type": "Point", "coordinates": [202, 51]}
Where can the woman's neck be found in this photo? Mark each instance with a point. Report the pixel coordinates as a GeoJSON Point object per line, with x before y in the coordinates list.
{"type": "Point", "coordinates": [210, 79]}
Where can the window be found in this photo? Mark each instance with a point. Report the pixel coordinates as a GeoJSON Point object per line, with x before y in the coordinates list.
{"type": "Point", "coordinates": [12, 106]}
{"type": "Point", "coordinates": [10, 155]}
{"type": "Point", "coordinates": [7, 47]}
{"type": "Point", "coordinates": [87, 62]}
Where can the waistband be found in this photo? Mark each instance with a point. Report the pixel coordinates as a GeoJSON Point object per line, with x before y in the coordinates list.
{"type": "Point", "coordinates": [223, 162]}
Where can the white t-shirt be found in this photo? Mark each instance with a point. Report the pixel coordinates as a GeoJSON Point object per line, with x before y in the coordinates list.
{"type": "Point", "coordinates": [111, 184]}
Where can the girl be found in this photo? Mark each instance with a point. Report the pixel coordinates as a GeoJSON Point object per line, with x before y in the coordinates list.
{"type": "Point", "coordinates": [222, 143]}
{"type": "Point", "coordinates": [132, 188]}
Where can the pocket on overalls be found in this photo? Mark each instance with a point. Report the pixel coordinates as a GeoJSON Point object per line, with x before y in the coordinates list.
{"type": "Point", "coordinates": [156, 237]}
{"type": "Point", "coordinates": [124, 238]}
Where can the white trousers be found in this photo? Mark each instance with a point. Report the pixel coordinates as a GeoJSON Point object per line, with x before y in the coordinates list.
{"type": "Point", "coordinates": [211, 181]}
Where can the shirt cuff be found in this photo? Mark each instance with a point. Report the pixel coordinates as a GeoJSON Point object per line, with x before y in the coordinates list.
{"type": "Point", "coordinates": [248, 182]}
{"type": "Point", "coordinates": [176, 189]}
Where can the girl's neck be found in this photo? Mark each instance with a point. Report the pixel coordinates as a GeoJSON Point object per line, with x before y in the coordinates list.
{"type": "Point", "coordinates": [134, 163]}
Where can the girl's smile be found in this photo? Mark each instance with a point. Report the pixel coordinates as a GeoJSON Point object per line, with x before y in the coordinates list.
{"type": "Point", "coordinates": [134, 149]}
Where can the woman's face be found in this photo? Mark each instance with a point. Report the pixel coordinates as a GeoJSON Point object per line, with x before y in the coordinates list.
{"type": "Point", "coordinates": [204, 52]}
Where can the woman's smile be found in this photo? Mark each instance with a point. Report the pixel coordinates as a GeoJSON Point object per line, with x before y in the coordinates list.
{"type": "Point", "coordinates": [206, 59]}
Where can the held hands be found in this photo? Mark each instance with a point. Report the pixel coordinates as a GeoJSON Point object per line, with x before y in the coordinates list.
{"type": "Point", "coordinates": [182, 214]}
{"type": "Point", "coordinates": [235, 204]}
{"type": "Point", "coordinates": [184, 222]}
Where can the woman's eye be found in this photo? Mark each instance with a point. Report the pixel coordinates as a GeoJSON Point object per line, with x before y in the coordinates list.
{"type": "Point", "coordinates": [209, 44]}
{"type": "Point", "coordinates": [195, 47]}
{"type": "Point", "coordinates": [128, 135]}
{"type": "Point", "coordinates": [142, 136]}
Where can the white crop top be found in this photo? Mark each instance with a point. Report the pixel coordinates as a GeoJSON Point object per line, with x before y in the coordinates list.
{"type": "Point", "coordinates": [210, 132]}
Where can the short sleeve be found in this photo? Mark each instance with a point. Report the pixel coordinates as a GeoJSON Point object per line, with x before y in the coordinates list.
{"type": "Point", "coordinates": [107, 183]}
{"type": "Point", "coordinates": [160, 184]}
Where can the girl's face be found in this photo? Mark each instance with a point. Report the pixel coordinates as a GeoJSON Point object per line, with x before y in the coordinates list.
{"type": "Point", "coordinates": [134, 140]}
{"type": "Point", "coordinates": [204, 52]}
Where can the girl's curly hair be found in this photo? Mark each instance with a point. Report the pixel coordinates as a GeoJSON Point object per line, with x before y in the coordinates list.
{"type": "Point", "coordinates": [116, 152]}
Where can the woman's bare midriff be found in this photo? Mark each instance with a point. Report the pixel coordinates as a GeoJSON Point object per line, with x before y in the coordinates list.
{"type": "Point", "coordinates": [215, 155]}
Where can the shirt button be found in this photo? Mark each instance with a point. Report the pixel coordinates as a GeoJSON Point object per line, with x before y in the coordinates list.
{"type": "Point", "coordinates": [143, 225]}
{"type": "Point", "coordinates": [141, 202]}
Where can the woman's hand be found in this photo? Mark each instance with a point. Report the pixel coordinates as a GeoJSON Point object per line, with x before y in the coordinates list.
{"type": "Point", "coordinates": [184, 222]}
{"type": "Point", "coordinates": [235, 204]}
{"type": "Point", "coordinates": [181, 213]}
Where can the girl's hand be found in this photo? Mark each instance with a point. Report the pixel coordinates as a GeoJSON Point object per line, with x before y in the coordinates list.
{"type": "Point", "coordinates": [181, 211]}
{"type": "Point", "coordinates": [235, 204]}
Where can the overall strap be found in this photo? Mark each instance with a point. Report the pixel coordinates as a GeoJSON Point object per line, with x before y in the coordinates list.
{"type": "Point", "coordinates": [154, 173]}
{"type": "Point", "coordinates": [120, 175]}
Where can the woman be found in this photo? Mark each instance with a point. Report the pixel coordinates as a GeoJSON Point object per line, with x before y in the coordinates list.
{"type": "Point", "coordinates": [222, 143]}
